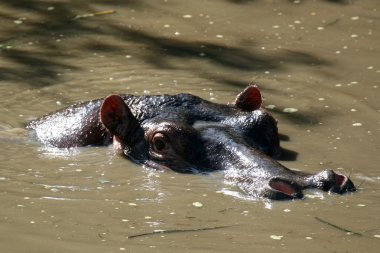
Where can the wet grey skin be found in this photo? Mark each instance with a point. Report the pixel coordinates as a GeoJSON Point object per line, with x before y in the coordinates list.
{"type": "Point", "coordinates": [187, 134]}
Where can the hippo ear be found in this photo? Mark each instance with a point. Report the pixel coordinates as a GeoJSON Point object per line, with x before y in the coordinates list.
{"type": "Point", "coordinates": [116, 116]}
{"type": "Point", "coordinates": [249, 99]}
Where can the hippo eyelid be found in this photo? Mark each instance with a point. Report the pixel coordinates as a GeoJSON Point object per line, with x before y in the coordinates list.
{"type": "Point", "coordinates": [159, 142]}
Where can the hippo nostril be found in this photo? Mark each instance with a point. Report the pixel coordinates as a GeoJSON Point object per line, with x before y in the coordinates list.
{"type": "Point", "coordinates": [281, 186]}
{"type": "Point", "coordinates": [283, 189]}
{"type": "Point", "coordinates": [342, 184]}
{"type": "Point", "coordinates": [332, 182]}
{"type": "Point", "coordinates": [339, 179]}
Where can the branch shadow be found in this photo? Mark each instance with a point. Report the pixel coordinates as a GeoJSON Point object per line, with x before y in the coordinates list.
{"type": "Point", "coordinates": [39, 69]}
{"type": "Point", "coordinates": [43, 67]}
{"type": "Point", "coordinates": [341, 2]}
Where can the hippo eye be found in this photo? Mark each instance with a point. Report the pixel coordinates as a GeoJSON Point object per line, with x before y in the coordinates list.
{"type": "Point", "coordinates": [159, 145]}
{"type": "Point", "coordinates": [159, 142]}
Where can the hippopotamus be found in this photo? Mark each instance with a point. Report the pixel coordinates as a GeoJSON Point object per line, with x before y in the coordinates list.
{"type": "Point", "coordinates": [188, 134]}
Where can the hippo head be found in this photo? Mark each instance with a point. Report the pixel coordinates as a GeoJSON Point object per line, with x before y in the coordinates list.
{"type": "Point", "coordinates": [181, 141]}
{"type": "Point", "coordinates": [239, 138]}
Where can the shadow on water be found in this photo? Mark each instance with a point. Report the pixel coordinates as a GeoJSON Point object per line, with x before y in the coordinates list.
{"type": "Point", "coordinates": [342, 2]}
{"type": "Point", "coordinates": [240, 1]}
{"type": "Point", "coordinates": [41, 67]}
{"type": "Point", "coordinates": [287, 155]}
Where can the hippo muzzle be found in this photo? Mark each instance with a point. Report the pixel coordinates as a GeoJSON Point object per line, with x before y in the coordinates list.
{"type": "Point", "coordinates": [257, 174]}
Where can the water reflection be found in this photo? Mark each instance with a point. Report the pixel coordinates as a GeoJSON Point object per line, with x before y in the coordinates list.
{"type": "Point", "coordinates": [61, 199]}
{"type": "Point", "coordinates": [151, 182]}
{"type": "Point", "coordinates": [60, 153]}
{"type": "Point", "coordinates": [55, 188]}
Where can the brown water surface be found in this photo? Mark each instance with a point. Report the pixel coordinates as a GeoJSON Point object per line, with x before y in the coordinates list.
{"type": "Point", "coordinates": [316, 62]}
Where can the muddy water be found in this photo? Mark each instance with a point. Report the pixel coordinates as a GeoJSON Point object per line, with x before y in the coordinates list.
{"type": "Point", "coordinates": [317, 63]}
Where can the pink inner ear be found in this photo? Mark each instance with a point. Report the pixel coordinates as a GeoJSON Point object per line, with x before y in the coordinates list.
{"type": "Point", "coordinates": [112, 111]}
{"type": "Point", "coordinates": [250, 99]}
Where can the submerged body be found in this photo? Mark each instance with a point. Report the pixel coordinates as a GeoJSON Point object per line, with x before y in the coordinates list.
{"type": "Point", "coordinates": [186, 133]}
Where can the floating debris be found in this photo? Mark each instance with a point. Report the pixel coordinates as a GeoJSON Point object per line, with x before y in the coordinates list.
{"type": "Point", "coordinates": [357, 124]}
{"type": "Point", "coordinates": [270, 107]}
{"type": "Point", "coordinates": [290, 110]}
{"type": "Point", "coordinates": [18, 22]}
{"type": "Point", "coordinates": [338, 227]}
{"type": "Point", "coordinates": [276, 237]}
{"type": "Point", "coordinates": [161, 231]}
{"type": "Point", "coordinates": [197, 204]}
{"type": "Point", "coordinates": [89, 15]}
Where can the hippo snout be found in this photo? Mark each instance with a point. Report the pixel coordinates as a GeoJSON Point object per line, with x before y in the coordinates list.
{"type": "Point", "coordinates": [281, 188]}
